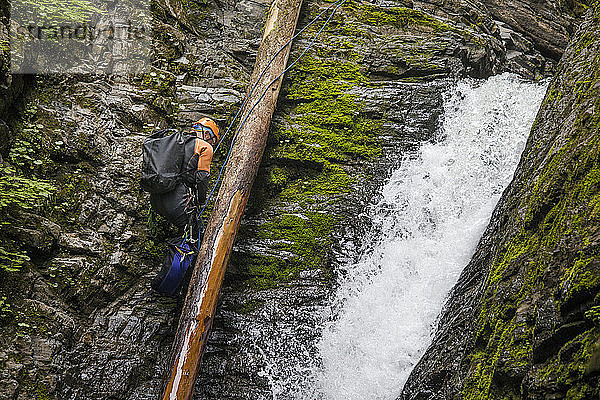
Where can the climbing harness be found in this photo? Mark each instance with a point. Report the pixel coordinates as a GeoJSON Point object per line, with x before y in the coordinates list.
{"type": "Point", "coordinates": [180, 256]}
{"type": "Point", "coordinates": [335, 7]}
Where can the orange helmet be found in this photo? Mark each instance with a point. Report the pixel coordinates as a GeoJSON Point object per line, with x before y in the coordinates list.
{"type": "Point", "coordinates": [208, 123]}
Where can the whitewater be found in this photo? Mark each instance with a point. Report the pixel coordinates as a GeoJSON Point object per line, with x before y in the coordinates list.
{"type": "Point", "coordinates": [426, 224]}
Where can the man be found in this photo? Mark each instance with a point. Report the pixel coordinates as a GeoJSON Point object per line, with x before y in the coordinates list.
{"type": "Point", "coordinates": [180, 205]}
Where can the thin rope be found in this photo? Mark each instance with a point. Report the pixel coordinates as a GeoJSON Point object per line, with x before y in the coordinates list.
{"type": "Point", "coordinates": [267, 66]}
{"type": "Point", "coordinates": [338, 4]}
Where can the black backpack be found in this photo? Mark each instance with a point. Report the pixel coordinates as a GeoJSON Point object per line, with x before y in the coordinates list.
{"type": "Point", "coordinates": [164, 159]}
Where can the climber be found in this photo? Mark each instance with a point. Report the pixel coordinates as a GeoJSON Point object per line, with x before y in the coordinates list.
{"type": "Point", "coordinates": [176, 171]}
{"type": "Point", "coordinates": [177, 204]}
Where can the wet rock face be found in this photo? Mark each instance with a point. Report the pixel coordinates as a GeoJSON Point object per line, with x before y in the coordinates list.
{"type": "Point", "coordinates": [537, 24]}
{"type": "Point", "coordinates": [523, 320]}
{"type": "Point", "coordinates": [79, 320]}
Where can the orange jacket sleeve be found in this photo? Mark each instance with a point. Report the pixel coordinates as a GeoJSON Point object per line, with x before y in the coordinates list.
{"type": "Point", "coordinates": [205, 154]}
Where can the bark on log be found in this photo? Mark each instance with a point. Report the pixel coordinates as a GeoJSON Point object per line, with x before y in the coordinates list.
{"type": "Point", "coordinates": [201, 300]}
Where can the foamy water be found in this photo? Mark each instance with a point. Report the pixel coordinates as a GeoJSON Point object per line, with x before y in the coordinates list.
{"type": "Point", "coordinates": [433, 211]}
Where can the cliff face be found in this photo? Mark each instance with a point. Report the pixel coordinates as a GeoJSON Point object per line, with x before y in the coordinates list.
{"type": "Point", "coordinates": [522, 322]}
{"type": "Point", "coordinates": [78, 250]}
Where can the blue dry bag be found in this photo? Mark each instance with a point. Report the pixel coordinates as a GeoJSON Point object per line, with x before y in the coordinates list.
{"type": "Point", "coordinates": [180, 255]}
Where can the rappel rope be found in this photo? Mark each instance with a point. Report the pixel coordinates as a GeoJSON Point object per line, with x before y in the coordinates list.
{"type": "Point", "coordinates": [335, 7]}
{"type": "Point", "coordinates": [270, 62]}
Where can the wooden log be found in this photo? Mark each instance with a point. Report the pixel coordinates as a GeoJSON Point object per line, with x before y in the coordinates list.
{"type": "Point", "coordinates": [201, 300]}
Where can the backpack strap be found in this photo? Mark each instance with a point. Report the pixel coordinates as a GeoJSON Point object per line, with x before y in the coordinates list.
{"type": "Point", "coordinates": [204, 156]}
{"type": "Point", "coordinates": [187, 168]}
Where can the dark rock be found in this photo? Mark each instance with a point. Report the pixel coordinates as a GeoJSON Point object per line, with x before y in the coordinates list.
{"type": "Point", "coordinates": [5, 138]}
{"type": "Point", "coordinates": [521, 322]}
{"type": "Point", "coordinates": [82, 322]}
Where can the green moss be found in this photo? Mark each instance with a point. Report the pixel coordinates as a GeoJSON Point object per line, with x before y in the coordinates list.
{"type": "Point", "coordinates": [593, 314]}
{"type": "Point", "coordinates": [249, 306]}
{"type": "Point", "coordinates": [34, 388]}
{"type": "Point", "coordinates": [580, 278]}
{"type": "Point", "coordinates": [54, 13]}
{"type": "Point", "coordinates": [519, 245]}
{"type": "Point", "coordinates": [153, 249]}
{"type": "Point", "coordinates": [33, 137]}
{"type": "Point", "coordinates": [69, 196]}
{"type": "Point", "coordinates": [300, 242]}
{"type": "Point", "coordinates": [398, 17]}
{"type": "Point", "coordinates": [302, 234]}
{"type": "Point", "coordinates": [41, 393]}
{"type": "Point", "coordinates": [333, 181]}
{"type": "Point", "coordinates": [553, 223]}
{"type": "Point", "coordinates": [405, 19]}
{"type": "Point", "coordinates": [568, 367]}
{"type": "Point", "coordinates": [5, 46]}
{"type": "Point", "coordinates": [264, 271]}
{"type": "Point", "coordinates": [521, 346]}
{"type": "Point", "coordinates": [161, 81]}
{"type": "Point", "coordinates": [278, 176]}
{"type": "Point", "coordinates": [587, 39]}
{"type": "Point", "coordinates": [501, 336]}
{"type": "Point", "coordinates": [5, 308]}
{"type": "Point", "coordinates": [199, 8]}
{"type": "Point", "coordinates": [160, 93]}
{"type": "Point", "coordinates": [17, 193]}
{"type": "Point", "coordinates": [326, 130]}
{"type": "Point", "coordinates": [318, 77]}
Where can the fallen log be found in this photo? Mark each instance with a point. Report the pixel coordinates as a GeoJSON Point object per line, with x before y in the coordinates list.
{"type": "Point", "coordinates": [201, 299]}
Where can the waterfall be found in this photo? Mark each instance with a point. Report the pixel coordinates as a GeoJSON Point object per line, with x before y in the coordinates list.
{"type": "Point", "coordinates": [426, 225]}
{"type": "Point", "coordinates": [432, 213]}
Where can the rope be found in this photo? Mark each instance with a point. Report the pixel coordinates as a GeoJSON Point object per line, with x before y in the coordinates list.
{"type": "Point", "coordinates": [267, 66]}
{"type": "Point", "coordinates": [337, 5]}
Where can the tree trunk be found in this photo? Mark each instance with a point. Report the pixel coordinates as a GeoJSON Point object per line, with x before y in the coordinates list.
{"type": "Point", "coordinates": [201, 300]}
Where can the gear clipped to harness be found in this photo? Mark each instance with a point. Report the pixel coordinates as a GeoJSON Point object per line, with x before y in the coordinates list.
{"type": "Point", "coordinates": [178, 259]}
{"type": "Point", "coordinates": [164, 158]}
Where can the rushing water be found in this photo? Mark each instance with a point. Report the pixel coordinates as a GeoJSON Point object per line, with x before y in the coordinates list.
{"type": "Point", "coordinates": [431, 215]}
